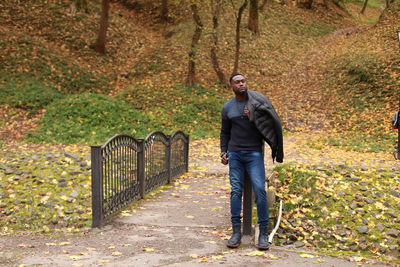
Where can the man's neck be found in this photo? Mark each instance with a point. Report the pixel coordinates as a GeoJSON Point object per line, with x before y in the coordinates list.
{"type": "Point", "coordinates": [241, 97]}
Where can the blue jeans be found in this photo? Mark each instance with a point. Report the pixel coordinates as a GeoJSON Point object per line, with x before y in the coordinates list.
{"type": "Point", "coordinates": [251, 162]}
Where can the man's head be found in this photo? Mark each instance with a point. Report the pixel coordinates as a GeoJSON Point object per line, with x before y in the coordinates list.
{"type": "Point", "coordinates": [238, 84]}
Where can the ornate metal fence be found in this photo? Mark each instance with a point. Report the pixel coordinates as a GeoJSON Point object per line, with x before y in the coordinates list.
{"type": "Point", "coordinates": [124, 169]}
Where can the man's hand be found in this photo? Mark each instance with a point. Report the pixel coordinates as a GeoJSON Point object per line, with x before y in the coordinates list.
{"type": "Point", "coordinates": [246, 112]}
{"type": "Point", "coordinates": [224, 158]}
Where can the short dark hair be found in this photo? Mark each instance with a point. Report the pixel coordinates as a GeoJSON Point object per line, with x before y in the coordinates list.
{"type": "Point", "coordinates": [233, 75]}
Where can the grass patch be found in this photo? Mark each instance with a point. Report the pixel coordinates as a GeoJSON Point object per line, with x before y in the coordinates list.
{"type": "Point", "coordinates": [46, 191]}
{"type": "Point", "coordinates": [328, 207]}
{"type": "Point", "coordinates": [28, 93]}
{"type": "Point", "coordinates": [194, 110]}
{"type": "Point", "coordinates": [88, 119]}
{"type": "Point", "coordinates": [362, 143]}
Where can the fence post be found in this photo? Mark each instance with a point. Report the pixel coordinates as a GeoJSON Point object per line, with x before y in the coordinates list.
{"type": "Point", "coordinates": [187, 154]}
{"type": "Point", "coordinates": [168, 158]}
{"type": "Point", "coordinates": [97, 182]}
{"type": "Point", "coordinates": [247, 206]}
{"type": "Point", "coordinates": [141, 168]}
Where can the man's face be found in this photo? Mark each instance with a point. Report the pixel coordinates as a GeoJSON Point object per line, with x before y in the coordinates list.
{"type": "Point", "coordinates": [238, 85]}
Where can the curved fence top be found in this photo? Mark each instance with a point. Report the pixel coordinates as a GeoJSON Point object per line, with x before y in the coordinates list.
{"type": "Point", "coordinates": [156, 133]}
{"type": "Point", "coordinates": [180, 134]}
{"type": "Point", "coordinates": [120, 136]}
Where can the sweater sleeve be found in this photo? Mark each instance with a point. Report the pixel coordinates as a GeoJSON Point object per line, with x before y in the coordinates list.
{"type": "Point", "coordinates": [225, 134]}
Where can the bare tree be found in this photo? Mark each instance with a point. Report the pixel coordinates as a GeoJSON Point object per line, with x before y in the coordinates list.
{"type": "Point", "coordinates": [164, 10]}
{"type": "Point", "coordinates": [191, 75]}
{"type": "Point", "coordinates": [253, 23]}
{"type": "Point", "coordinates": [364, 7]}
{"type": "Point", "coordinates": [237, 38]}
{"type": "Point", "coordinates": [216, 9]}
{"type": "Point", "coordinates": [264, 3]}
{"type": "Point", "coordinates": [100, 46]}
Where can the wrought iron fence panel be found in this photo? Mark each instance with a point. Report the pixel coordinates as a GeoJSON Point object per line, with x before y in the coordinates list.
{"type": "Point", "coordinates": [120, 173]}
{"type": "Point", "coordinates": [156, 150]}
{"type": "Point", "coordinates": [179, 154]}
{"type": "Point", "coordinates": [125, 169]}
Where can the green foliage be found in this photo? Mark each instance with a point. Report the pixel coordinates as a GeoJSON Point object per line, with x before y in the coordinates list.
{"type": "Point", "coordinates": [88, 119]}
{"type": "Point", "coordinates": [325, 206]}
{"type": "Point", "coordinates": [46, 196]}
{"type": "Point", "coordinates": [195, 110]}
{"type": "Point", "coordinates": [358, 142]}
{"type": "Point", "coordinates": [28, 93]}
{"type": "Point", "coordinates": [371, 3]}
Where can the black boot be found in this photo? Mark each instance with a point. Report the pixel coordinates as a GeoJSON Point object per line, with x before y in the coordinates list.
{"type": "Point", "coordinates": [234, 241]}
{"type": "Point", "coordinates": [263, 243]}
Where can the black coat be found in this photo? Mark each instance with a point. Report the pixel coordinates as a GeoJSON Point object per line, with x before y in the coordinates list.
{"type": "Point", "coordinates": [267, 121]}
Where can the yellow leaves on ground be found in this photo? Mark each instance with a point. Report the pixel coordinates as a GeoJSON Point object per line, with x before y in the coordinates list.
{"type": "Point", "coordinates": [64, 243]}
{"type": "Point", "coordinates": [203, 259]}
{"type": "Point", "coordinates": [149, 249]}
{"type": "Point", "coordinates": [189, 216]}
{"type": "Point", "coordinates": [307, 256]}
{"type": "Point", "coordinates": [116, 253]}
{"type": "Point", "coordinates": [256, 253]}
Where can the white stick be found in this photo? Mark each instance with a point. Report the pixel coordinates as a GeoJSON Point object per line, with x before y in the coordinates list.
{"type": "Point", "coordinates": [271, 235]}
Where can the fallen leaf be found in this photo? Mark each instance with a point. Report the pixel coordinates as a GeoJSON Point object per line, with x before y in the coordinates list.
{"type": "Point", "coordinates": [255, 253]}
{"type": "Point", "coordinates": [203, 259]}
{"type": "Point", "coordinates": [309, 256]}
{"type": "Point", "coordinates": [25, 245]}
{"type": "Point", "coordinates": [149, 249]}
{"type": "Point", "coordinates": [116, 253]}
{"type": "Point", "coordinates": [74, 257]}
{"type": "Point", "coordinates": [217, 257]}
{"type": "Point", "coordinates": [272, 257]}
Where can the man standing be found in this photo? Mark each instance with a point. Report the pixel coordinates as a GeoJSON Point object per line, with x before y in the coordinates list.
{"type": "Point", "coordinates": [247, 120]}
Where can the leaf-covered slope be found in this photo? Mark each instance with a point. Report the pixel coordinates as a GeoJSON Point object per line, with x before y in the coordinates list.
{"type": "Point", "coordinates": [364, 75]}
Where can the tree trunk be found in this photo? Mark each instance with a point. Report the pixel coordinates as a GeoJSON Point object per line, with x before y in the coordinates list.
{"type": "Point", "coordinates": [238, 22]}
{"type": "Point", "coordinates": [264, 3]}
{"type": "Point", "coordinates": [214, 46]}
{"type": "Point", "coordinates": [364, 7]}
{"type": "Point", "coordinates": [101, 40]}
{"type": "Point", "coordinates": [253, 17]}
{"type": "Point", "coordinates": [305, 3]}
{"type": "Point", "coordinates": [164, 10]}
{"type": "Point", "coordinates": [326, 5]}
{"type": "Point", "coordinates": [191, 75]}
{"type": "Point", "coordinates": [82, 4]}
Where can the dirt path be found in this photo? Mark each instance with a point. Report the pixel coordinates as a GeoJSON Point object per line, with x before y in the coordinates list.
{"type": "Point", "coordinates": [185, 224]}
